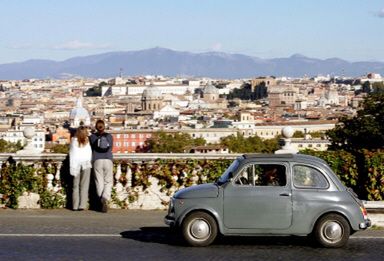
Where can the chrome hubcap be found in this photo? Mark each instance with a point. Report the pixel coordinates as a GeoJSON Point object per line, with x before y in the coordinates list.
{"type": "Point", "coordinates": [332, 231]}
{"type": "Point", "coordinates": [200, 229]}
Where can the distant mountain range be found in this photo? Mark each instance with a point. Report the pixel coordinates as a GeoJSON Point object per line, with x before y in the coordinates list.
{"type": "Point", "coordinates": [162, 61]}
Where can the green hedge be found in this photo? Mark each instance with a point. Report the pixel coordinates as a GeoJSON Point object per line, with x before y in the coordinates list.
{"type": "Point", "coordinates": [374, 168]}
{"type": "Point", "coordinates": [16, 179]}
{"type": "Point", "coordinates": [363, 172]}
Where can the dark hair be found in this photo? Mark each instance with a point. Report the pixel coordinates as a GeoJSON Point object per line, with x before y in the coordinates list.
{"type": "Point", "coordinates": [100, 125]}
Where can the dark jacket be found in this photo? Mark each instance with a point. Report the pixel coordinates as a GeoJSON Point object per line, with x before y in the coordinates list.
{"type": "Point", "coordinates": [101, 155]}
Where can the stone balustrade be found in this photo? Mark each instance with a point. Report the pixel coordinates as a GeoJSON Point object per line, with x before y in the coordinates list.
{"type": "Point", "coordinates": [143, 195]}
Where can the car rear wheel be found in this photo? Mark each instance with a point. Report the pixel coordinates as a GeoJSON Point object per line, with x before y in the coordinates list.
{"type": "Point", "coordinates": [199, 229]}
{"type": "Point", "coordinates": [332, 231]}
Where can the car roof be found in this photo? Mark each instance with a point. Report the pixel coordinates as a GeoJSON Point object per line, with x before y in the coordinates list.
{"type": "Point", "coordinates": [293, 157]}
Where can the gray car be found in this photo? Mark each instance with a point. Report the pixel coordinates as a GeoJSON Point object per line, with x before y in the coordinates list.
{"type": "Point", "coordinates": [278, 194]}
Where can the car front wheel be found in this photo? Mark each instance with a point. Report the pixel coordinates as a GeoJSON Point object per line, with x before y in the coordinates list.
{"type": "Point", "coordinates": [332, 230]}
{"type": "Point", "coordinates": [199, 229]}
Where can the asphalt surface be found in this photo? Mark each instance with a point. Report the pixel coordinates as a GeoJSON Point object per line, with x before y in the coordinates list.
{"type": "Point", "coordinates": [141, 235]}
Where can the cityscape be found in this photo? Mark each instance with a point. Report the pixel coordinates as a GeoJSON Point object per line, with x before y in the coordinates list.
{"type": "Point", "coordinates": [250, 130]}
{"type": "Point", "coordinates": [135, 108]}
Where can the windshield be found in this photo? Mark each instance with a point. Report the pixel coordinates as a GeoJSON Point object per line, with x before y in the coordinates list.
{"type": "Point", "coordinates": [228, 173]}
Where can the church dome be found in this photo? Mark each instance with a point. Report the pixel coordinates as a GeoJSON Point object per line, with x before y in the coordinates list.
{"type": "Point", "coordinates": [210, 89]}
{"type": "Point", "coordinates": [79, 114]}
{"type": "Point", "coordinates": [152, 92]}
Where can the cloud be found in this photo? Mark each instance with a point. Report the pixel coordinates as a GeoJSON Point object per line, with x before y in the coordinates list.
{"type": "Point", "coordinates": [70, 45]}
{"type": "Point", "coordinates": [216, 47]}
{"type": "Point", "coordinates": [20, 46]}
{"type": "Point", "coordinates": [380, 13]}
{"type": "Point", "coordinates": [77, 45]}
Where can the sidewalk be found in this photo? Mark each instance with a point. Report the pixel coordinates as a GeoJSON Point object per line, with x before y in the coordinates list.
{"type": "Point", "coordinates": [375, 212]}
{"type": "Point", "coordinates": [64, 221]}
{"type": "Point", "coordinates": [117, 218]}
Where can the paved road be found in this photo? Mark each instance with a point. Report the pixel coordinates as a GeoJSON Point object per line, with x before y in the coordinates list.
{"type": "Point", "coordinates": [141, 235]}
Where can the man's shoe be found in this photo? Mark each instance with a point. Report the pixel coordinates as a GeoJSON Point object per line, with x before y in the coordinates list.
{"type": "Point", "coordinates": [104, 205]}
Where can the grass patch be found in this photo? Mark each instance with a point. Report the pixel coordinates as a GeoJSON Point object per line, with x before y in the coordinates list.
{"type": "Point", "coordinates": [376, 227]}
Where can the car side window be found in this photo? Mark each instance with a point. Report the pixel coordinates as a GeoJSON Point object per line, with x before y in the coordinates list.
{"type": "Point", "coordinates": [308, 177]}
{"type": "Point", "coordinates": [262, 175]}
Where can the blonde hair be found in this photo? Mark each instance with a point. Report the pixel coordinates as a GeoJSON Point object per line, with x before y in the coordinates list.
{"type": "Point", "coordinates": [82, 136]}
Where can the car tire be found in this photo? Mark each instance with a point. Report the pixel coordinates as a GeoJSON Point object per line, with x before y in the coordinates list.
{"type": "Point", "coordinates": [199, 229]}
{"type": "Point", "coordinates": [332, 231]}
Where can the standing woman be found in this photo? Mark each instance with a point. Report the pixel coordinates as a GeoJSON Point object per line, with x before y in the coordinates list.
{"type": "Point", "coordinates": [80, 156]}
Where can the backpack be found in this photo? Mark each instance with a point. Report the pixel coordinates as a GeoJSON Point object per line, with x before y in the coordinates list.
{"type": "Point", "coordinates": [102, 144]}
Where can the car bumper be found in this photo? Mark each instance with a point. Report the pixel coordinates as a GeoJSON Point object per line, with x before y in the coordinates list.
{"type": "Point", "coordinates": [170, 221]}
{"type": "Point", "coordinates": [366, 224]}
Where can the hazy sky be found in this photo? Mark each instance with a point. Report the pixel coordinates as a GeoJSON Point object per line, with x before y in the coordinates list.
{"type": "Point", "coordinates": [60, 29]}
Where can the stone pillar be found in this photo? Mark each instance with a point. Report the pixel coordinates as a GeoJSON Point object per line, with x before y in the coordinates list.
{"type": "Point", "coordinates": [50, 178]}
{"type": "Point", "coordinates": [57, 177]}
{"type": "Point", "coordinates": [287, 148]}
{"type": "Point", "coordinates": [129, 177]}
{"type": "Point", "coordinates": [119, 187]}
{"type": "Point", "coordinates": [29, 133]}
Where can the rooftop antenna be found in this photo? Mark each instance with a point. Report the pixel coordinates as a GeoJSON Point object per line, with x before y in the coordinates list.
{"type": "Point", "coordinates": [120, 72]}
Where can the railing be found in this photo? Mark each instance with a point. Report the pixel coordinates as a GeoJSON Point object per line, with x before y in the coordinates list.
{"type": "Point", "coordinates": [141, 180]}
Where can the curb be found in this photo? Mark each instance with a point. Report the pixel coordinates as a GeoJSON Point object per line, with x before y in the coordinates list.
{"type": "Point", "coordinates": [374, 206]}
{"type": "Point", "coordinates": [375, 211]}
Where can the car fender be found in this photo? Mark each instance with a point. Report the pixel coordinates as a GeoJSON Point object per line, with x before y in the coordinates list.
{"type": "Point", "coordinates": [336, 210]}
{"type": "Point", "coordinates": [203, 208]}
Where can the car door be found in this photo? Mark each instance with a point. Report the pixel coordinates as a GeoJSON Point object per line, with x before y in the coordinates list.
{"type": "Point", "coordinates": [253, 200]}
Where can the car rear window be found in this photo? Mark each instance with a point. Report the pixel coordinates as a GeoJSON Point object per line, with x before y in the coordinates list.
{"type": "Point", "coordinates": [308, 177]}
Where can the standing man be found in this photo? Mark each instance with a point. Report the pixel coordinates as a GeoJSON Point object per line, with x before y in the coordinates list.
{"type": "Point", "coordinates": [102, 158]}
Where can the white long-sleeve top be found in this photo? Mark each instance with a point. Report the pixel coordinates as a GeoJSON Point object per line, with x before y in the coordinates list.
{"type": "Point", "coordinates": [79, 157]}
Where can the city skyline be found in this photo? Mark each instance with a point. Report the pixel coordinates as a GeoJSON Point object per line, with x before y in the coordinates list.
{"type": "Point", "coordinates": [351, 30]}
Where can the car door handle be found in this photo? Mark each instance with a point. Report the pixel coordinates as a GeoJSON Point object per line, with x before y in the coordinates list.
{"type": "Point", "coordinates": [285, 194]}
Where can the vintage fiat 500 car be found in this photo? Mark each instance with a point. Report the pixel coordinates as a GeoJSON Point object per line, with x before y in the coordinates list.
{"type": "Point", "coordinates": [286, 194]}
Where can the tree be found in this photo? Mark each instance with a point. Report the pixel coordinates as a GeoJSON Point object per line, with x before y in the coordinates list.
{"type": "Point", "coordinates": [378, 87]}
{"type": "Point", "coordinates": [298, 134]}
{"type": "Point", "coordinates": [94, 91]}
{"type": "Point", "coordinates": [366, 87]}
{"type": "Point", "coordinates": [317, 134]}
{"type": "Point", "coordinates": [243, 93]}
{"type": "Point", "coordinates": [253, 144]}
{"type": "Point", "coordinates": [364, 131]}
{"type": "Point", "coordinates": [60, 148]}
{"type": "Point", "coordinates": [9, 147]}
{"type": "Point", "coordinates": [271, 145]}
{"type": "Point", "coordinates": [162, 142]}
{"type": "Point", "coordinates": [314, 134]}
{"type": "Point", "coordinates": [239, 144]}
{"type": "Point", "coordinates": [261, 91]}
